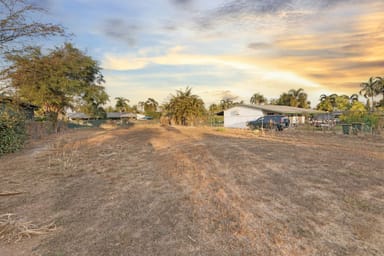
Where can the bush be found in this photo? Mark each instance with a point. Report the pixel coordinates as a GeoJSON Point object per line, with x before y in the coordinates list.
{"type": "Point", "coordinates": [12, 129]}
{"type": "Point", "coordinates": [369, 119]}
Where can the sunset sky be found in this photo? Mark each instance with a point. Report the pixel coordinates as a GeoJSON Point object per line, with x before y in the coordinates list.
{"type": "Point", "coordinates": [150, 48]}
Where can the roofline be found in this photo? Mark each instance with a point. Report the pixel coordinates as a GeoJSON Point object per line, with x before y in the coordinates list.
{"type": "Point", "coordinates": [293, 110]}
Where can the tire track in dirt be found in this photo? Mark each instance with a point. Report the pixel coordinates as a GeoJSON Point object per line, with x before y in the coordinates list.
{"type": "Point", "coordinates": [224, 216]}
{"type": "Point", "coordinates": [199, 191]}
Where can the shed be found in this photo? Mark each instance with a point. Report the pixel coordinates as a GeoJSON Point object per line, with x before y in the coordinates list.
{"type": "Point", "coordinates": [28, 108]}
{"type": "Point", "coordinates": [239, 115]}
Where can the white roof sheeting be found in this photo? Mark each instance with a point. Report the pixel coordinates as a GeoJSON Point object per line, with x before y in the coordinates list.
{"type": "Point", "coordinates": [282, 109]}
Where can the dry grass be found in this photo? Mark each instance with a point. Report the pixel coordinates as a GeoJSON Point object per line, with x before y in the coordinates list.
{"type": "Point", "coordinates": [14, 230]}
{"type": "Point", "coordinates": [150, 190]}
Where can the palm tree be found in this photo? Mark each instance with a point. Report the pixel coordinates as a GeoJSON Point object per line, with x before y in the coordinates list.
{"type": "Point", "coordinates": [299, 98]}
{"type": "Point", "coordinates": [354, 98]}
{"type": "Point", "coordinates": [257, 98]}
{"type": "Point", "coordinates": [380, 86]}
{"type": "Point", "coordinates": [295, 98]}
{"type": "Point", "coordinates": [369, 89]}
{"type": "Point", "coordinates": [213, 108]}
{"type": "Point", "coordinates": [333, 100]}
{"type": "Point", "coordinates": [184, 107]}
{"type": "Point", "coordinates": [226, 103]}
{"type": "Point", "coordinates": [141, 105]}
{"type": "Point", "coordinates": [325, 103]}
{"type": "Point", "coordinates": [150, 105]}
{"type": "Point", "coordinates": [122, 104]}
{"type": "Point", "coordinates": [284, 99]}
{"type": "Point", "coordinates": [323, 97]}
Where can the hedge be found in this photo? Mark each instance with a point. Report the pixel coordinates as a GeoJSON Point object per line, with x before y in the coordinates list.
{"type": "Point", "coordinates": [12, 129]}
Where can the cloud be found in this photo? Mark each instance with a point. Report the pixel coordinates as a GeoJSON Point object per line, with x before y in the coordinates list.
{"type": "Point", "coordinates": [259, 45]}
{"type": "Point", "coordinates": [169, 26]}
{"type": "Point", "coordinates": [174, 56]}
{"type": "Point", "coordinates": [334, 49]}
{"type": "Point", "coordinates": [267, 7]}
{"type": "Point", "coordinates": [240, 7]}
{"type": "Point", "coordinates": [254, 12]}
{"type": "Point", "coordinates": [120, 30]}
{"type": "Point", "coordinates": [127, 62]}
{"type": "Point", "coordinates": [365, 65]}
{"type": "Point", "coordinates": [182, 3]}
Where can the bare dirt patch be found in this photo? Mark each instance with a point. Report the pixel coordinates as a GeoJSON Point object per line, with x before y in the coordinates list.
{"type": "Point", "coordinates": [153, 190]}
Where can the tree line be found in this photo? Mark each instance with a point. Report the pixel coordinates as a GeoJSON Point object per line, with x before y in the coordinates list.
{"type": "Point", "coordinates": [65, 78]}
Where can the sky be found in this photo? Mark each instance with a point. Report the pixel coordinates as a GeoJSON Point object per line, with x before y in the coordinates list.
{"type": "Point", "coordinates": [227, 48]}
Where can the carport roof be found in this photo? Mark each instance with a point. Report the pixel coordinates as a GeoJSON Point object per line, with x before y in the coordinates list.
{"type": "Point", "coordinates": [281, 109]}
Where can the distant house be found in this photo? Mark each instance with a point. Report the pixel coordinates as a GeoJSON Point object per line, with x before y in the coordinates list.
{"type": "Point", "coordinates": [78, 116]}
{"type": "Point", "coordinates": [114, 115]}
{"type": "Point", "coordinates": [28, 108]}
{"type": "Point", "coordinates": [239, 115]}
{"type": "Point", "coordinates": [128, 115]}
{"type": "Point", "coordinates": [110, 116]}
{"type": "Point", "coordinates": [121, 115]}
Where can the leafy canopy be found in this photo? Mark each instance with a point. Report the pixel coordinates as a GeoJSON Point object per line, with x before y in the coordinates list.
{"type": "Point", "coordinates": [294, 98]}
{"type": "Point", "coordinates": [185, 108]}
{"type": "Point", "coordinates": [61, 79]}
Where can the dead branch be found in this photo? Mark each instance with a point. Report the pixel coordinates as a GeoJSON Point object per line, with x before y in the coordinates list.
{"type": "Point", "coordinates": [11, 193]}
{"type": "Point", "coordinates": [15, 230]}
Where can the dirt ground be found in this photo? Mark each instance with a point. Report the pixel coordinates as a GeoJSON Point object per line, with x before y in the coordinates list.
{"type": "Point", "coordinates": [157, 190]}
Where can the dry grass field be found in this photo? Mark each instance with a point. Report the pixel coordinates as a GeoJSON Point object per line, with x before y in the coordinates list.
{"type": "Point", "coordinates": [153, 190]}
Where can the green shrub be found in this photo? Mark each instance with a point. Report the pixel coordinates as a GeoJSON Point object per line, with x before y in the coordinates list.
{"type": "Point", "coordinates": [370, 119]}
{"type": "Point", "coordinates": [12, 129]}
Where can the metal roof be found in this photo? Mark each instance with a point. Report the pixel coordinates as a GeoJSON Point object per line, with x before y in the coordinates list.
{"type": "Point", "coordinates": [281, 109]}
{"type": "Point", "coordinates": [113, 114]}
{"type": "Point", "coordinates": [77, 115]}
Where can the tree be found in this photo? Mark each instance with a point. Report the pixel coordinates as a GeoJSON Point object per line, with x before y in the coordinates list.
{"type": "Point", "coordinates": [380, 90]}
{"type": "Point", "coordinates": [150, 106]}
{"type": "Point", "coordinates": [354, 98]}
{"type": "Point", "coordinates": [294, 98]}
{"type": "Point", "coordinates": [141, 105]}
{"type": "Point", "coordinates": [16, 23]}
{"type": "Point", "coordinates": [214, 108]}
{"type": "Point", "coordinates": [226, 103]}
{"type": "Point", "coordinates": [184, 108]}
{"type": "Point", "coordinates": [325, 104]}
{"type": "Point", "coordinates": [333, 102]}
{"type": "Point", "coordinates": [122, 104]}
{"type": "Point", "coordinates": [92, 100]}
{"type": "Point", "coordinates": [133, 109]}
{"type": "Point", "coordinates": [342, 103]}
{"type": "Point", "coordinates": [110, 109]}
{"type": "Point", "coordinates": [299, 98]}
{"type": "Point", "coordinates": [332, 99]}
{"type": "Point", "coordinates": [257, 98]}
{"type": "Point", "coordinates": [358, 107]}
{"type": "Point", "coordinates": [57, 80]}
{"type": "Point", "coordinates": [370, 89]}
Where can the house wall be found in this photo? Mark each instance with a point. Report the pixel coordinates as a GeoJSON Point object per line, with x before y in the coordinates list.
{"type": "Point", "coordinates": [237, 117]}
{"type": "Point", "coordinates": [296, 119]}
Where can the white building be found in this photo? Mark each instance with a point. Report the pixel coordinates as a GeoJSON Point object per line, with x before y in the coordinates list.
{"type": "Point", "coordinates": [239, 115]}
